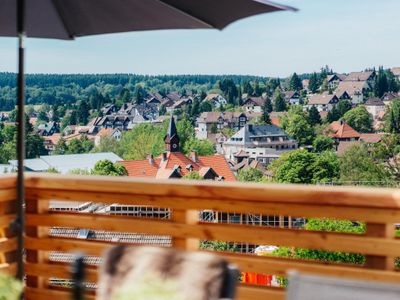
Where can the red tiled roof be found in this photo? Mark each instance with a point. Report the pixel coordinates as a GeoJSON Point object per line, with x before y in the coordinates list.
{"type": "Point", "coordinates": [371, 137]}
{"type": "Point", "coordinates": [343, 130]}
{"type": "Point", "coordinates": [53, 139]}
{"type": "Point", "coordinates": [160, 169]}
{"type": "Point", "coordinates": [104, 132]}
{"type": "Point", "coordinates": [219, 165]}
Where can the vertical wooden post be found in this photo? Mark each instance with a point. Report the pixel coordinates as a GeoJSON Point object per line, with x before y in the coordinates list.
{"type": "Point", "coordinates": [35, 206]}
{"type": "Point", "coordinates": [382, 231]}
{"type": "Point", "coordinates": [185, 217]}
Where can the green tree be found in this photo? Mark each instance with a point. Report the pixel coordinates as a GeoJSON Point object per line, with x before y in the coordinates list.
{"type": "Point", "coordinates": [295, 83]}
{"type": "Point", "coordinates": [359, 118]}
{"type": "Point", "coordinates": [265, 113]}
{"type": "Point", "coordinates": [35, 146]}
{"type": "Point", "coordinates": [295, 123]}
{"type": "Point", "coordinates": [83, 113]}
{"type": "Point", "coordinates": [140, 94]}
{"type": "Point", "coordinates": [343, 107]}
{"type": "Point", "coordinates": [108, 168]}
{"type": "Point", "coordinates": [163, 110]}
{"type": "Point", "coordinates": [61, 147]}
{"type": "Point", "coordinates": [250, 175]}
{"type": "Point", "coordinates": [279, 101]}
{"type": "Point", "coordinates": [218, 246]}
{"type": "Point", "coordinates": [313, 84]}
{"type": "Point", "coordinates": [357, 166]}
{"type": "Point", "coordinates": [387, 153]}
{"type": "Point", "coordinates": [314, 117]}
{"type": "Point", "coordinates": [192, 176]}
{"type": "Point", "coordinates": [326, 256]}
{"type": "Point", "coordinates": [381, 83]}
{"type": "Point", "coordinates": [205, 106]}
{"type": "Point", "coordinates": [293, 167]}
{"type": "Point", "coordinates": [202, 147]}
{"type": "Point", "coordinates": [323, 143]}
{"type": "Point", "coordinates": [392, 119]}
{"type": "Point", "coordinates": [301, 166]}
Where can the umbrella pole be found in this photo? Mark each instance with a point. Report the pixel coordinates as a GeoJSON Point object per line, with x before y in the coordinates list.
{"type": "Point", "coordinates": [20, 221]}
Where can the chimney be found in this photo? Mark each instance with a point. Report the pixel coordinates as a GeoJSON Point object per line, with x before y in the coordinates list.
{"type": "Point", "coordinates": [151, 159]}
{"type": "Point", "coordinates": [193, 156]}
{"type": "Point", "coordinates": [164, 156]}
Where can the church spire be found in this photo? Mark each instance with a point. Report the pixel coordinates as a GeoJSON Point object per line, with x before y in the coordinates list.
{"type": "Point", "coordinates": [172, 139]}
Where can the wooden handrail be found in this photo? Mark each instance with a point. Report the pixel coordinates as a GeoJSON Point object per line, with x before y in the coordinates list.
{"type": "Point", "coordinates": [379, 208]}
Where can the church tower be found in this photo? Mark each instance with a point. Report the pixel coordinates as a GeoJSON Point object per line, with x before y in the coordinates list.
{"type": "Point", "coordinates": [172, 139]}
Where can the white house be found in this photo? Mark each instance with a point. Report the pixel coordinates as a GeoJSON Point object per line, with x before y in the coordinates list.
{"type": "Point", "coordinates": [375, 107]}
{"type": "Point", "coordinates": [216, 100]}
{"type": "Point", "coordinates": [355, 89]}
{"type": "Point", "coordinates": [263, 143]}
{"type": "Point", "coordinates": [253, 104]}
{"type": "Point", "coordinates": [292, 97]}
{"type": "Point", "coordinates": [323, 102]}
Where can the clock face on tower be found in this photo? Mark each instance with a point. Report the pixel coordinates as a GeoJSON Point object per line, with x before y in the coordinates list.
{"type": "Point", "coordinates": [174, 146]}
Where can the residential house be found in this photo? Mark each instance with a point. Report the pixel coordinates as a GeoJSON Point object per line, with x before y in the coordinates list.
{"type": "Point", "coordinates": [180, 104]}
{"type": "Point", "coordinates": [216, 100]}
{"type": "Point", "coordinates": [355, 89]}
{"type": "Point", "coordinates": [305, 83]}
{"type": "Point", "coordinates": [48, 129]}
{"type": "Point", "coordinates": [50, 142]}
{"type": "Point", "coordinates": [389, 97]}
{"type": "Point", "coordinates": [375, 107]}
{"type": "Point", "coordinates": [174, 164]}
{"type": "Point", "coordinates": [263, 143]}
{"type": "Point", "coordinates": [323, 102]}
{"type": "Point", "coordinates": [334, 79]}
{"type": "Point", "coordinates": [113, 133]}
{"type": "Point", "coordinates": [367, 76]}
{"type": "Point", "coordinates": [109, 109]}
{"type": "Point", "coordinates": [213, 122]}
{"type": "Point", "coordinates": [292, 97]}
{"type": "Point", "coordinates": [253, 104]}
{"type": "Point", "coordinates": [342, 95]}
{"type": "Point", "coordinates": [341, 132]}
{"type": "Point", "coordinates": [218, 139]}
{"type": "Point", "coordinates": [396, 72]}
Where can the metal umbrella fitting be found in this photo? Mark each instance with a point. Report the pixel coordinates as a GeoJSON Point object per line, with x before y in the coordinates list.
{"type": "Point", "coordinates": [67, 19]}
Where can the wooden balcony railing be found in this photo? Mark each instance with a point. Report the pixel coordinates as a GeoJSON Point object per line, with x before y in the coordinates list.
{"type": "Point", "coordinates": [379, 208]}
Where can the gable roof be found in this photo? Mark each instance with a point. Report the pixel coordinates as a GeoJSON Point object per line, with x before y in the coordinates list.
{"type": "Point", "coordinates": [374, 101]}
{"type": "Point", "coordinates": [342, 130]}
{"type": "Point", "coordinates": [257, 101]}
{"type": "Point", "coordinates": [318, 99]}
{"type": "Point", "coordinates": [371, 138]}
{"type": "Point", "coordinates": [160, 169]}
{"type": "Point", "coordinates": [395, 71]}
{"type": "Point", "coordinates": [351, 87]}
{"type": "Point", "coordinates": [360, 76]}
{"type": "Point", "coordinates": [389, 96]}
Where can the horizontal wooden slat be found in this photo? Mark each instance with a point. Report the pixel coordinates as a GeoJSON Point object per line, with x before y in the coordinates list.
{"type": "Point", "coordinates": [248, 292]}
{"type": "Point", "coordinates": [5, 220]}
{"type": "Point", "coordinates": [48, 294]}
{"type": "Point", "coordinates": [66, 245]}
{"type": "Point", "coordinates": [223, 232]}
{"type": "Point", "coordinates": [296, 194]}
{"type": "Point", "coordinates": [216, 204]}
{"type": "Point", "coordinates": [8, 268]}
{"type": "Point", "coordinates": [57, 270]}
{"type": "Point", "coordinates": [8, 244]}
{"type": "Point", "coordinates": [8, 181]}
{"type": "Point", "coordinates": [7, 194]}
{"type": "Point", "coordinates": [280, 266]}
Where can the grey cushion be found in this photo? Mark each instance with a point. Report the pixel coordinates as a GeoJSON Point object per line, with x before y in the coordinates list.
{"type": "Point", "coordinates": [309, 287]}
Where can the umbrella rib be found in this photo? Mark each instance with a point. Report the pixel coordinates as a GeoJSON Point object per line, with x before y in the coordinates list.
{"type": "Point", "coordinates": [207, 24]}
{"type": "Point", "coordinates": [63, 19]}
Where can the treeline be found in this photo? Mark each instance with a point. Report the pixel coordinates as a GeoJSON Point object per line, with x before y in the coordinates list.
{"type": "Point", "coordinates": [8, 79]}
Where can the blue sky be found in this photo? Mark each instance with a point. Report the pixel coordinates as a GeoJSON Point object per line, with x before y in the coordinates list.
{"type": "Point", "coordinates": [347, 35]}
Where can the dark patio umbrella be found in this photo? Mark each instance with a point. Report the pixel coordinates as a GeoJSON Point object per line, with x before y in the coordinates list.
{"type": "Point", "coordinates": [67, 19]}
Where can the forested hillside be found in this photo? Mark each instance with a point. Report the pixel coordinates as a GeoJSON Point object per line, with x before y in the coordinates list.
{"type": "Point", "coordinates": [70, 88]}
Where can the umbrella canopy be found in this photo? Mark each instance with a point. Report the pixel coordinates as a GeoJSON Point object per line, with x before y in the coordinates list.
{"type": "Point", "coordinates": [66, 19]}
